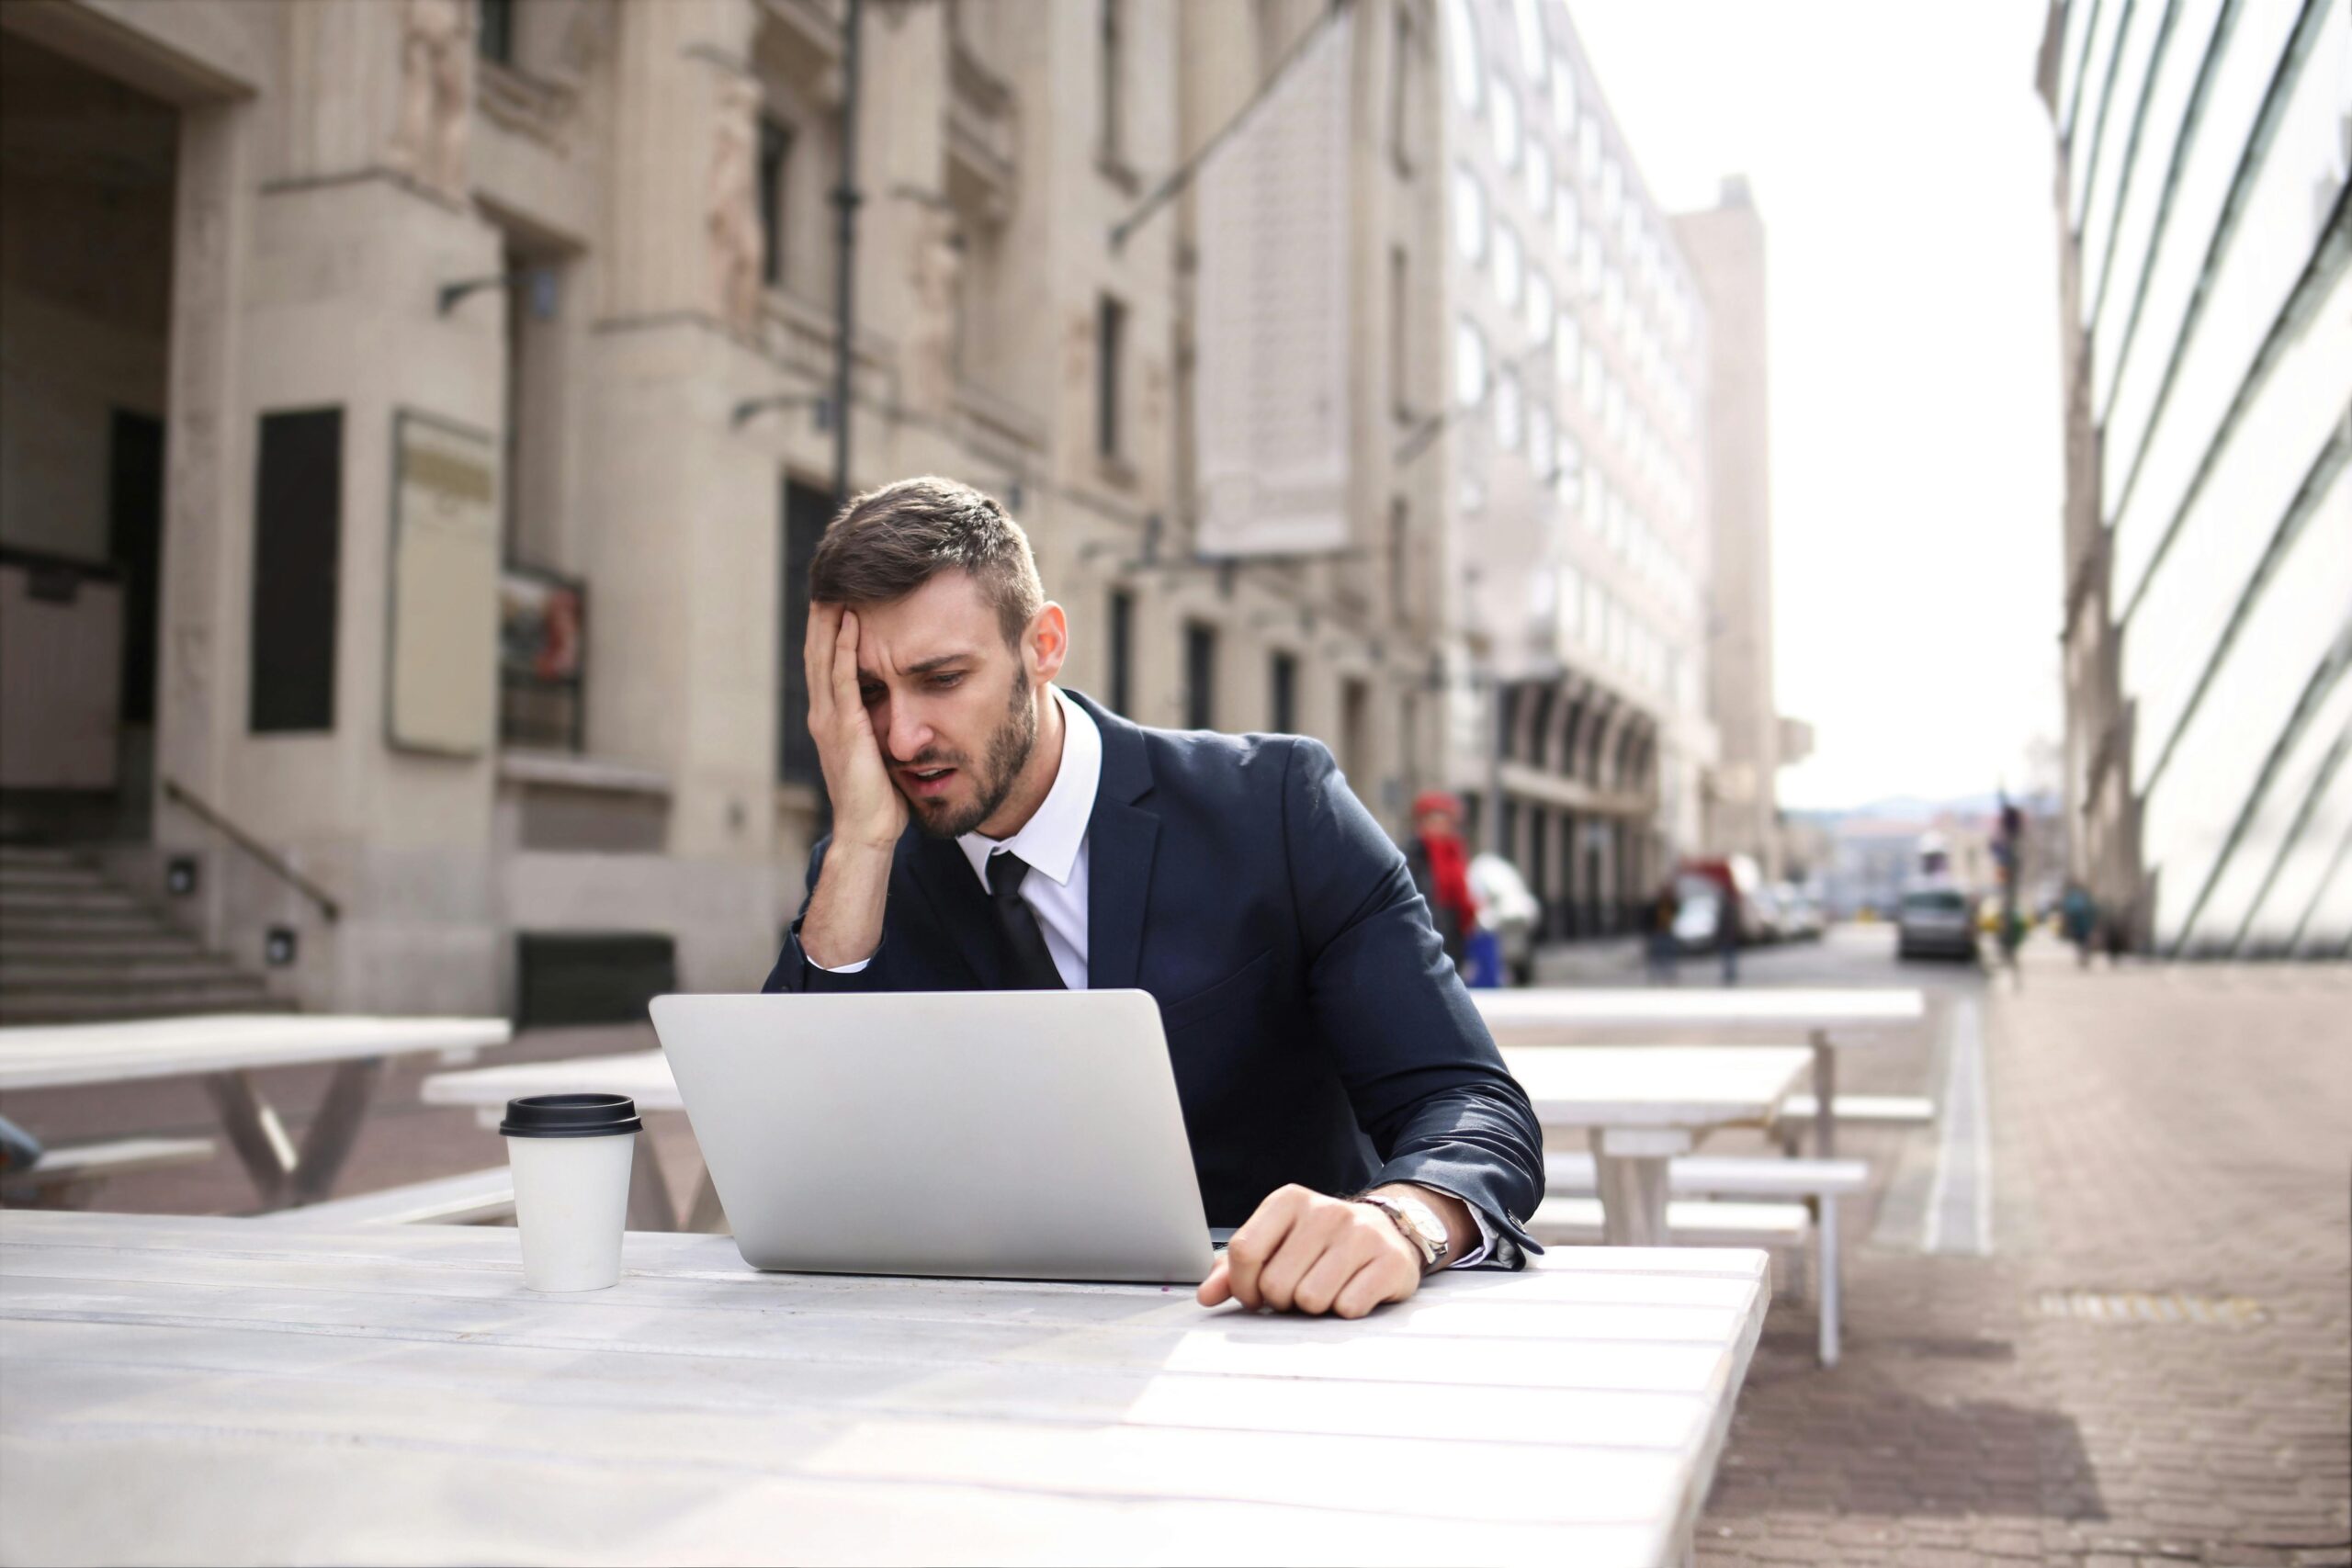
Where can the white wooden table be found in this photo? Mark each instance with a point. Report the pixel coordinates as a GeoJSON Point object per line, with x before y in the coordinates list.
{"type": "Point", "coordinates": [1645, 1104]}
{"type": "Point", "coordinates": [643, 1076]}
{"type": "Point", "coordinates": [209, 1390]}
{"type": "Point", "coordinates": [1827, 1020]}
{"type": "Point", "coordinates": [225, 1050]}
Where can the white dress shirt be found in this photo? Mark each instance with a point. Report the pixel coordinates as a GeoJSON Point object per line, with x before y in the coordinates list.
{"type": "Point", "coordinates": [1055, 843]}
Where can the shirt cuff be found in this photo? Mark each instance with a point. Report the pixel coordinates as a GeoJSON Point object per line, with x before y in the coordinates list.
{"type": "Point", "coordinates": [1501, 1247]}
{"type": "Point", "coordinates": [859, 968]}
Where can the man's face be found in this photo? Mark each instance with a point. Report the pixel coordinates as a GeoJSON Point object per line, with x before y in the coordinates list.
{"type": "Point", "coordinates": [953, 707]}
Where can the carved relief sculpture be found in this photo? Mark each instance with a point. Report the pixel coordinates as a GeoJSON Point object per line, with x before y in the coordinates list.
{"type": "Point", "coordinates": [938, 274]}
{"type": "Point", "coordinates": [734, 217]}
{"type": "Point", "coordinates": [436, 90]}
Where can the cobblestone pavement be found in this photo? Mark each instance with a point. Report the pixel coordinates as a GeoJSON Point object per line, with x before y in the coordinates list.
{"type": "Point", "coordinates": [2165, 1142]}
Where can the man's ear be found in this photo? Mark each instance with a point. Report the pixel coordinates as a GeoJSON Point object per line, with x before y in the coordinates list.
{"type": "Point", "coordinates": [1046, 642]}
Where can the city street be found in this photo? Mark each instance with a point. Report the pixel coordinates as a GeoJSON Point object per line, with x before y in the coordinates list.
{"type": "Point", "coordinates": [2129, 1344]}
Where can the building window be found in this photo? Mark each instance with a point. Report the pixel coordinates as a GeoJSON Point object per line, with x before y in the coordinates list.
{"type": "Point", "coordinates": [1404, 131]}
{"type": "Point", "coordinates": [1504, 122]}
{"type": "Point", "coordinates": [495, 35]}
{"type": "Point", "coordinates": [1355, 738]}
{"type": "Point", "coordinates": [1462, 55]}
{"type": "Point", "coordinates": [1539, 178]}
{"type": "Point", "coordinates": [1469, 365]}
{"type": "Point", "coordinates": [775, 159]}
{"type": "Point", "coordinates": [1533, 57]}
{"type": "Point", "coordinates": [1541, 308]}
{"type": "Point", "coordinates": [1568, 221]}
{"type": "Point", "coordinates": [1282, 696]}
{"type": "Point", "coordinates": [1588, 149]}
{"type": "Point", "coordinates": [1509, 265]}
{"type": "Point", "coordinates": [1111, 331]}
{"type": "Point", "coordinates": [1199, 676]}
{"type": "Point", "coordinates": [1469, 216]}
{"type": "Point", "coordinates": [1509, 411]}
{"type": "Point", "coordinates": [1112, 61]}
{"type": "Point", "coordinates": [807, 510]}
{"type": "Point", "coordinates": [1121, 652]}
{"type": "Point", "coordinates": [1541, 442]}
{"type": "Point", "coordinates": [1400, 539]}
{"type": "Point", "coordinates": [298, 567]}
{"type": "Point", "coordinates": [1564, 98]}
{"type": "Point", "coordinates": [1400, 334]}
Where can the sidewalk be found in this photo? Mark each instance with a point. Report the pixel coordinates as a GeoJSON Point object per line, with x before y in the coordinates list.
{"type": "Point", "coordinates": [2166, 1143]}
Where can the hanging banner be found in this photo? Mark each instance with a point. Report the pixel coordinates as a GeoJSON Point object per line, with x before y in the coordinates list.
{"type": "Point", "coordinates": [1271, 376]}
{"type": "Point", "coordinates": [442, 673]}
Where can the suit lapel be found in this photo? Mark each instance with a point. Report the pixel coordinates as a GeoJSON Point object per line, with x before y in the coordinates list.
{"type": "Point", "coordinates": [1121, 839]}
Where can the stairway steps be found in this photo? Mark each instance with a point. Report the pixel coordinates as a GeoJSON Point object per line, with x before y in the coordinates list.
{"type": "Point", "coordinates": [199, 973]}
{"type": "Point", "coordinates": [73, 1007]}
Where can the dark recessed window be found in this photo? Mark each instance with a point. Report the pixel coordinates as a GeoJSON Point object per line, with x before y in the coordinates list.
{"type": "Point", "coordinates": [1121, 696]}
{"type": "Point", "coordinates": [807, 510]}
{"type": "Point", "coordinates": [298, 567]}
{"type": "Point", "coordinates": [1200, 677]}
{"type": "Point", "coordinates": [495, 37]}
{"type": "Point", "coordinates": [1110, 332]}
{"type": "Point", "coordinates": [776, 160]}
{"type": "Point", "coordinates": [1282, 698]}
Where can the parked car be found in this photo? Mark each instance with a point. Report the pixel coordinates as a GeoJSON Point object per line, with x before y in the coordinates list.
{"type": "Point", "coordinates": [1510, 911]}
{"type": "Point", "coordinates": [1800, 916]}
{"type": "Point", "coordinates": [1935, 920]}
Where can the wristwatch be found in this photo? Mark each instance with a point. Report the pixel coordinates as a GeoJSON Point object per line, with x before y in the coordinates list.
{"type": "Point", "coordinates": [1420, 1225]}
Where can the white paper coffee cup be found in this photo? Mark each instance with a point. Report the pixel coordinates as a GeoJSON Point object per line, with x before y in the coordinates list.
{"type": "Point", "coordinates": [570, 1157]}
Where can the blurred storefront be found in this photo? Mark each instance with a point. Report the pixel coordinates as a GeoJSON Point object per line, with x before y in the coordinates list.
{"type": "Point", "coordinates": [419, 415]}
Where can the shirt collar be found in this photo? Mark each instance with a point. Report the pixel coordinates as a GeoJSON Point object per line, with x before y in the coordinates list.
{"type": "Point", "coordinates": [1050, 840]}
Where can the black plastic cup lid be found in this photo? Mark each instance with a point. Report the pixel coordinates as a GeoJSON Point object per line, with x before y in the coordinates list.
{"type": "Point", "coordinates": [570, 1116]}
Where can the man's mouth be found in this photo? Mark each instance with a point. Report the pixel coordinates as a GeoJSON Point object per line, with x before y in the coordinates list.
{"type": "Point", "coordinates": [925, 782]}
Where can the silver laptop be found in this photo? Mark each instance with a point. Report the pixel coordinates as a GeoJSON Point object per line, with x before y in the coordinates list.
{"type": "Point", "coordinates": [1007, 1134]}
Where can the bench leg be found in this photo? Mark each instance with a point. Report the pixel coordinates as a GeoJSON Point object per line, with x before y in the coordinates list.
{"type": "Point", "coordinates": [328, 1143]}
{"type": "Point", "coordinates": [1825, 1234]}
{"type": "Point", "coordinates": [650, 1207]}
{"type": "Point", "coordinates": [254, 1132]}
{"type": "Point", "coordinates": [1825, 1096]}
{"type": "Point", "coordinates": [1630, 1168]}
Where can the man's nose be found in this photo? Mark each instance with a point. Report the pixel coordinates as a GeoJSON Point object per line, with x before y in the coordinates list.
{"type": "Point", "coordinates": [909, 731]}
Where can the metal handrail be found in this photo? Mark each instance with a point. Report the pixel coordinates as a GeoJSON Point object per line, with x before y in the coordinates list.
{"type": "Point", "coordinates": [268, 859]}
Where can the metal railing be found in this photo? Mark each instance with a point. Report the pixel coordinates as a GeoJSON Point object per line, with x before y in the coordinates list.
{"type": "Point", "coordinates": [269, 860]}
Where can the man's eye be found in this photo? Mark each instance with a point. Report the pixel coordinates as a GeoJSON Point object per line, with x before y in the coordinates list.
{"type": "Point", "coordinates": [942, 683]}
{"type": "Point", "coordinates": [871, 693]}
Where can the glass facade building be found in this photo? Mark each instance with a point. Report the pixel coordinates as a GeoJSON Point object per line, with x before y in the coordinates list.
{"type": "Point", "coordinates": [2206, 265]}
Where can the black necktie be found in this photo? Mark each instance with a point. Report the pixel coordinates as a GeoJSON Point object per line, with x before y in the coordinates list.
{"type": "Point", "coordinates": [1028, 966]}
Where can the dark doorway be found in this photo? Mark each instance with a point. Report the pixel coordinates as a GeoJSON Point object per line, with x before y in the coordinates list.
{"type": "Point", "coordinates": [807, 511]}
{"type": "Point", "coordinates": [135, 546]}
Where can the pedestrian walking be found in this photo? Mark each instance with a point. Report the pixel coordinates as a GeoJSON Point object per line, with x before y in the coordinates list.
{"type": "Point", "coordinates": [2078, 914]}
{"type": "Point", "coordinates": [1659, 930]}
{"type": "Point", "coordinates": [1440, 867]}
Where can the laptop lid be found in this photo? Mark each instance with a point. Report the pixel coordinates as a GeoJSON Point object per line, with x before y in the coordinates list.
{"type": "Point", "coordinates": [1009, 1134]}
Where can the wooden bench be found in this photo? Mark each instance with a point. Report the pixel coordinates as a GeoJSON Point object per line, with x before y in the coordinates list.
{"type": "Point", "coordinates": [48, 1181]}
{"type": "Point", "coordinates": [1797, 1113]}
{"type": "Point", "coordinates": [476, 1197]}
{"type": "Point", "coordinates": [1775, 1201]}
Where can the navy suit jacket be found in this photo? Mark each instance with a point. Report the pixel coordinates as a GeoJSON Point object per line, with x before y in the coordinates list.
{"type": "Point", "coordinates": [1318, 1033]}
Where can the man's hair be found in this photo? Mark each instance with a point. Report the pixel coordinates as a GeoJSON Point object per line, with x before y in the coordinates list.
{"type": "Point", "coordinates": [890, 542]}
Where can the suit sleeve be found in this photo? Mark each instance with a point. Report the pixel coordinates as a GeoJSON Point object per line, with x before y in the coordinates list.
{"type": "Point", "coordinates": [793, 970]}
{"type": "Point", "coordinates": [1428, 1087]}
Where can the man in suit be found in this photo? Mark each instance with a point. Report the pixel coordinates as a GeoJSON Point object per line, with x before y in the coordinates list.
{"type": "Point", "coordinates": [1347, 1108]}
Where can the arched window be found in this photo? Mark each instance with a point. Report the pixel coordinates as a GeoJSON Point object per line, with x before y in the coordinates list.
{"type": "Point", "coordinates": [1533, 57]}
{"type": "Point", "coordinates": [1469, 216]}
{"type": "Point", "coordinates": [1464, 63]}
{"type": "Point", "coordinates": [1504, 120]}
{"type": "Point", "coordinates": [1509, 410]}
{"type": "Point", "coordinates": [1508, 274]}
{"type": "Point", "coordinates": [1469, 365]}
{"type": "Point", "coordinates": [1539, 177]}
{"type": "Point", "coordinates": [1540, 307]}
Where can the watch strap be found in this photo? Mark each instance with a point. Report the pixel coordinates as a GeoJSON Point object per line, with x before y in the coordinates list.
{"type": "Point", "coordinates": [1432, 1251]}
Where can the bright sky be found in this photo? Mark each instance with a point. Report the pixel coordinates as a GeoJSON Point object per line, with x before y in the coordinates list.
{"type": "Point", "coordinates": [1902, 166]}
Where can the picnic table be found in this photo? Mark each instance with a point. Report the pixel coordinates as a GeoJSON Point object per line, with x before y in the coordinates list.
{"type": "Point", "coordinates": [211, 1389]}
{"type": "Point", "coordinates": [1827, 1020]}
{"type": "Point", "coordinates": [643, 1076]}
{"type": "Point", "coordinates": [1644, 1105]}
{"type": "Point", "coordinates": [225, 1050]}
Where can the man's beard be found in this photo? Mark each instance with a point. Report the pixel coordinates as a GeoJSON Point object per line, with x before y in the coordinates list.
{"type": "Point", "coordinates": [1008, 753]}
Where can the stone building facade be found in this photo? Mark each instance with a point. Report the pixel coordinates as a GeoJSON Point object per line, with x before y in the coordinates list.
{"type": "Point", "coordinates": [2204, 158]}
{"type": "Point", "coordinates": [429, 397]}
{"type": "Point", "coordinates": [1577, 490]}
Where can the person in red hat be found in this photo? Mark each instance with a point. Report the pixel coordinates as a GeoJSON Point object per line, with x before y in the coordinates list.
{"type": "Point", "coordinates": [1441, 865]}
